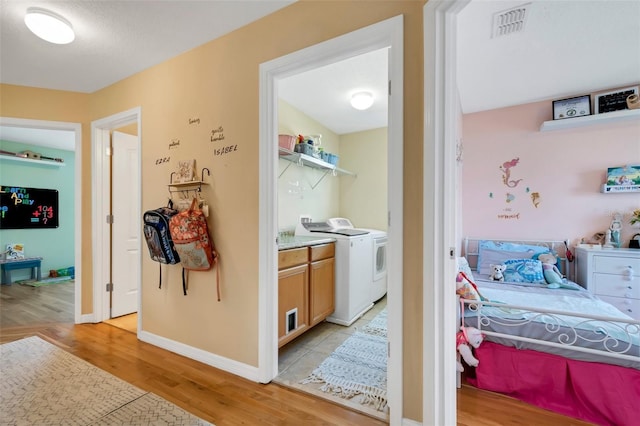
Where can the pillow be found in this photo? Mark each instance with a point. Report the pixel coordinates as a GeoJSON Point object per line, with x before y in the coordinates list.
{"type": "Point", "coordinates": [465, 289]}
{"type": "Point", "coordinates": [463, 266]}
{"type": "Point", "coordinates": [487, 253]}
{"type": "Point", "coordinates": [524, 271]}
{"type": "Point", "coordinates": [499, 257]}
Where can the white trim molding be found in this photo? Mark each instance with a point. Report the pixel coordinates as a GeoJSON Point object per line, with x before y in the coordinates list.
{"type": "Point", "coordinates": [77, 199]}
{"type": "Point", "coordinates": [385, 34]}
{"type": "Point", "coordinates": [101, 205]}
{"type": "Point", "coordinates": [440, 207]}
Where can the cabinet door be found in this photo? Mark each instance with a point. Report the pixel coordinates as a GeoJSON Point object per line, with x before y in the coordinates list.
{"type": "Point", "coordinates": [322, 290]}
{"type": "Point", "coordinates": [293, 302]}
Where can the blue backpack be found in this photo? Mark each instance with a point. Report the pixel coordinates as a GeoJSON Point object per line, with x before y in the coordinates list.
{"type": "Point", "coordinates": [158, 236]}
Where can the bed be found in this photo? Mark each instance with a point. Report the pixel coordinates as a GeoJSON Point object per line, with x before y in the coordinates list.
{"type": "Point", "coordinates": [561, 349]}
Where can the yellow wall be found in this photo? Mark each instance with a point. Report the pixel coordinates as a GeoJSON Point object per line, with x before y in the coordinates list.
{"type": "Point", "coordinates": [364, 199]}
{"type": "Point", "coordinates": [217, 83]}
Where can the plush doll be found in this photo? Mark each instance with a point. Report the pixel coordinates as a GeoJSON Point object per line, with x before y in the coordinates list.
{"type": "Point", "coordinates": [467, 338]}
{"type": "Point", "coordinates": [552, 274]}
{"type": "Point", "coordinates": [497, 272]}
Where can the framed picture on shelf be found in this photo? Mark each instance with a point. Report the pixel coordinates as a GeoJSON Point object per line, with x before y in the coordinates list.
{"type": "Point", "coordinates": [572, 107]}
{"type": "Point", "coordinates": [613, 100]}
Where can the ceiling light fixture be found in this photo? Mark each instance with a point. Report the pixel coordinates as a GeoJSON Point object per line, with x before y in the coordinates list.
{"type": "Point", "coordinates": [362, 100]}
{"type": "Point", "coordinates": [49, 26]}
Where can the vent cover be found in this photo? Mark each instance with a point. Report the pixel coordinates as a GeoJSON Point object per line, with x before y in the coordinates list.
{"type": "Point", "coordinates": [510, 21]}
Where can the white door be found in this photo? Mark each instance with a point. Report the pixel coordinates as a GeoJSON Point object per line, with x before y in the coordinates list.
{"type": "Point", "coordinates": [126, 228]}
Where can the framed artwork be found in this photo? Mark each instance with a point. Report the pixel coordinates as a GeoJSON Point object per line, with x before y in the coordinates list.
{"type": "Point", "coordinates": [613, 100]}
{"type": "Point", "coordinates": [186, 170]}
{"type": "Point", "coordinates": [572, 107]}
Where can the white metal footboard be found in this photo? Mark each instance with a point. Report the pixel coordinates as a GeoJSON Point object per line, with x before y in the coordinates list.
{"type": "Point", "coordinates": [603, 336]}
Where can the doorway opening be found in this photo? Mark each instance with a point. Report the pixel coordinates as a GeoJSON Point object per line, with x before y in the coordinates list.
{"type": "Point", "coordinates": [116, 220]}
{"type": "Point", "coordinates": [32, 133]}
{"type": "Point", "coordinates": [387, 34]}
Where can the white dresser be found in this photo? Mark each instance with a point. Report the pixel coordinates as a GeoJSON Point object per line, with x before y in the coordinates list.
{"type": "Point", "coordinates": [613, 275]}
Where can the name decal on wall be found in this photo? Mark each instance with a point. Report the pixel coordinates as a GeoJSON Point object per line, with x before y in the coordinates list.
{"type": "Point", "coordinates": [225, 150]}
{"type": "Point", "coordinates": [194, 121]}
{"type": "Point", "coordinates": [162, 160]}
{"type": "Point", "coordinates": [217, 134]}
{"type": "Point", "coordinates": [174, 143]}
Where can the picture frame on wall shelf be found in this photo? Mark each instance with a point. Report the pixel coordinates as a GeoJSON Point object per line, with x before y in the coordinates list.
{"type": "Point", "coordinates": [578, 106]}
{"type": "Point", "coordinates": [613, 100]}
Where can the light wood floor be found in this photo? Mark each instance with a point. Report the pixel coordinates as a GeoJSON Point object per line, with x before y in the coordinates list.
{"type": "Point", "coordinates": [214, 395]}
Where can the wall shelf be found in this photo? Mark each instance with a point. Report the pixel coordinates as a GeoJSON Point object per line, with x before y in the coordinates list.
{"type": "Point", "coordinates": [47, 163]}
{"type": "Point", "coordinates": [311, 162]}
{"type": "Point", "coordinates": [619, 189]}
{"type": "Point", "coordinates": [186, 187]}
{"type": "Point", "coordinates": [589, 120]}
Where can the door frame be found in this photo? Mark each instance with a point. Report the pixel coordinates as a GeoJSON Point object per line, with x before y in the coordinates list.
{"type": "Point", "coordinates": [442, 120]}
{"type": "Point", "coordinates": [387, 33]}
{"type": "Point", "coordinates": [77, 199]}
{"type": "Point", "coordinates": [101, 205]}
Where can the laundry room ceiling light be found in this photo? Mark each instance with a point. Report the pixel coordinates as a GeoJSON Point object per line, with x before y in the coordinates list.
{"type": "Point", "coordinates": [362, 100]}
{"type": "Point", "coordinates": [49, 26]}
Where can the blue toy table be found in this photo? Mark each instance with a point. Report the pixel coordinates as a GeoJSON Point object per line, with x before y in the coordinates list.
{"type": "Point", "coordinates": [8, 265]}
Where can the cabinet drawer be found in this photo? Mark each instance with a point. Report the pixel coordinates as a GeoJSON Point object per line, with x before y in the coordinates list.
{"type": "Point", "coordinates": [293, 257]}
{"type": "Point", "coordinates": [615, 265]}
{"type": "Point", "coordinates": [322, 251]}
{"type": "Point", "coordinates": [616, 285]}
{"type": "Point", "coordinates": [630, 307]}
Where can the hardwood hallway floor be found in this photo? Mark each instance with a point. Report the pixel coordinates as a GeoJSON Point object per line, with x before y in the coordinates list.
{"type": "Point", "coordinates": [223, 398]}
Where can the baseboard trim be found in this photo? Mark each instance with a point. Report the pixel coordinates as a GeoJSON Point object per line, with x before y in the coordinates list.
{"type": "Point", "coordinates": [409, 422]}
{"type": "Point", "coordinates": [86, 318]}
{"type": "Point", "coordinates": [234, 367]}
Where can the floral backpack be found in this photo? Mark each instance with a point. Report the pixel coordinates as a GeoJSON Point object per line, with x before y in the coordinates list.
{"type": "Point", "coordinates": [190, 236]}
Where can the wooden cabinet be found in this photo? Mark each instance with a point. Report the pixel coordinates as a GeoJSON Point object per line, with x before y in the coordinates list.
{"type": "Point", "coordinates": [306, 281]}
{"type": "Point", "coordinates": [321, 283]}
{"type": "Point", "coordinates": [613, 275]}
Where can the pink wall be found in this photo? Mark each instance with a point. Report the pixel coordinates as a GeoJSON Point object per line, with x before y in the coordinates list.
{"type": "Point", "coordinates": [565, 167]}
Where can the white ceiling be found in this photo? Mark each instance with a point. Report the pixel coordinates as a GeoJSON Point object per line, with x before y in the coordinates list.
{"type": "Point", "coordinates": [567, 48]}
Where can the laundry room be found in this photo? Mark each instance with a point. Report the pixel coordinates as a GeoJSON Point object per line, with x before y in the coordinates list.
{"type": "Point", "coordinates": [332, 217]}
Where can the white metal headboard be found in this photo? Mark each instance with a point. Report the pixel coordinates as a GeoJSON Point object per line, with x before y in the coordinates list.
{"type": "Point", "coordinates": [558, 247]}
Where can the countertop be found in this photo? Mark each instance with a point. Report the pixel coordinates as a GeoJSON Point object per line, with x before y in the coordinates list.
{"type": "Point", "coordinates": [290, 242]}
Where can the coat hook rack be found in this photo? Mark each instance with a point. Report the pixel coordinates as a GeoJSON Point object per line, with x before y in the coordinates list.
{"type": "Point", "coordinates": [186, 187]}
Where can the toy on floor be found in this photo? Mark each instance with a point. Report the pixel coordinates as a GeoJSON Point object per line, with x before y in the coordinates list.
{"type": "Point", "coordinates": [497, 272]}
{"type": "Point", "coordinates": [467, 338]}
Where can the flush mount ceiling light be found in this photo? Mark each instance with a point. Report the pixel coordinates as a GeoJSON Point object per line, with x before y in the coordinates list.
{"type": "Point", "coordinates": [362, 100]}
{"type": "Point", "coordinates": [49, 26]}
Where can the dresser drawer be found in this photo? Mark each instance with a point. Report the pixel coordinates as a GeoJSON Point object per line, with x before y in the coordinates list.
{"type": "Point", "coordinates": [616, 265]}
{"type": "Point", "coordinates": [630, 307]}
{"type": "Point", "coordinates": [616, 285]}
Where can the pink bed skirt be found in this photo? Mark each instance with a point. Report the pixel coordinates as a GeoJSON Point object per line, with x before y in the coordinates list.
{"type": "Point", "coordinates": [598, 393]}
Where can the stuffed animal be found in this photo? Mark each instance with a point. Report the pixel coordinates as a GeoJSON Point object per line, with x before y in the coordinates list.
{"type": "Point", "coordinates": [467, 338]}
{"type": "Point", "coordinates": [497, 272]}
{"type": "Point", "coordinates": [552, 274]}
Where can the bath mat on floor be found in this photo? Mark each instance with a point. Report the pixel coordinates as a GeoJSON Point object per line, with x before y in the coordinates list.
{"type": "Point", "coordinates": [378, 325]}
{"type": "Point", "coordinates": [358, 367]}
{"type": "Point", "coordinates": [42, 384]}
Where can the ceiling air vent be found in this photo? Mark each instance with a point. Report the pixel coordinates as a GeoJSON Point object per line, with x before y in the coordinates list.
{"type": "Point", "coordinates": [510, 21]}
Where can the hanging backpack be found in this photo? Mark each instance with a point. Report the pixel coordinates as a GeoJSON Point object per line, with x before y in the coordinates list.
{"type": "Point", "coordinates": [158, 236]}
{"type": "Point", "coordinates": [190, 236]}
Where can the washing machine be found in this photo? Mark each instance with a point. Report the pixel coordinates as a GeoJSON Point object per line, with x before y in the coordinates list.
{"type": "Point", "coordinates": [353, 263]}
{"type": "Point", "coordinates": [378, 275]}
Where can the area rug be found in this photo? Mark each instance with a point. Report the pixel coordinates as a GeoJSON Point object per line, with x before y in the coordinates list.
{"type": "Point", "coordinates": [46, 281]}
{"type": "Point", "coordinates": [358, 367]}
{"type": "Point", "coordinates": [44, 385]}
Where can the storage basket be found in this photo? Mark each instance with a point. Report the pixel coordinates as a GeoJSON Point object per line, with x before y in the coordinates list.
{"type": "Point", "coordinates": [287, 142]}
